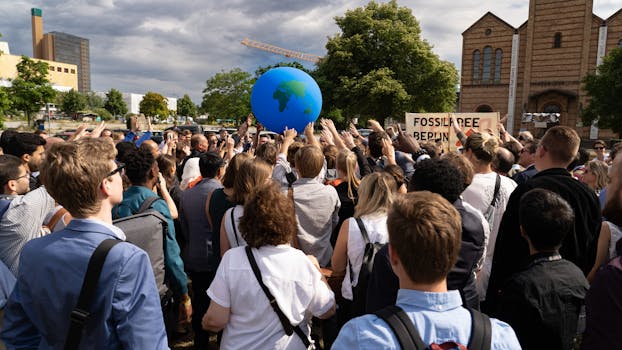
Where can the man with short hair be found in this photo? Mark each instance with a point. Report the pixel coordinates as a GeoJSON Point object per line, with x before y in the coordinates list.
{"type": "Point", "coordinates": [555, 151]}
{"type": "Point", "coordinates": [526, 160]}
{"type": "Point", "coordinates": [125, 309]}
{"type": "Point", "coordinates": [424, 241]}
{"type": "Point", "coordinates": [599, 147]}
{"type": "Point", "coordinates": [28, 147]}
{"type": "Point", "coordinates": [24, 213]}
{"type": "Point", "coordinates": [543, 300]}
{"type": "Point", "coordinates": [503, 161]}
{"type": "Point", "coordinates": [202, 251]}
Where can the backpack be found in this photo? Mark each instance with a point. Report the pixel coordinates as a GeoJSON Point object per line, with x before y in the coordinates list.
{"type": "Point", "coordinates": [147, 230]}
{"type": "Point", "coordinates": [359, 293]}
{"type": "Point", "coordinates": [408, 337]}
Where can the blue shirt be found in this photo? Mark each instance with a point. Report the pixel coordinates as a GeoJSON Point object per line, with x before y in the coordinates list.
{"type": "Point", "coordinates": [125, 312]}
{"type": "Point", "coordinates": [439, 318]}
{"type": "Point", "coordinates": [133, 198]}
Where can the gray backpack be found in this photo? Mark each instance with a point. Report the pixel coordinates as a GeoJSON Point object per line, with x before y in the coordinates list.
{"type": "Point", "coordinates": [147, 230]}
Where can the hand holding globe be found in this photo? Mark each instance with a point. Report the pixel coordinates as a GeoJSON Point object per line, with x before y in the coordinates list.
{"type": "Point", "coordinates": [286, 97]}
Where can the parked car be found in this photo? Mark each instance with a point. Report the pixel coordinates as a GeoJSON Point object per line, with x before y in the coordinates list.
{"type": "Point", "coordinates": [195, 128]}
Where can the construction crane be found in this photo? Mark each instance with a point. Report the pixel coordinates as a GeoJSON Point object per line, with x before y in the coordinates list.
{"type": "Point", "coordinates": [281, 51]}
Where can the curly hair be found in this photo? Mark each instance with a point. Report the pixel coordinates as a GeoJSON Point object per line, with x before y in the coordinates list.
{"type": "Point", "coordinates": [269, 217]}
{"type": "Point", "coordinates": [439, 176]}
{"type": "Point", "coordinates": [138, 163]}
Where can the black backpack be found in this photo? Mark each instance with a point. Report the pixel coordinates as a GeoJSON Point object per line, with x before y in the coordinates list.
{"type": "Point", "coordinates": [359, 293]}
{"type": "Point", "coordinates": [147, 230]}
{"type": "Point", "coordinates": [408, 337]}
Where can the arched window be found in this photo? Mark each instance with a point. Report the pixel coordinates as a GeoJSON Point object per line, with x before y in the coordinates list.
{"type": "Point", "coordinates": [483, 108]}
{"type": "Point", "coordinates": [475, 66]}
{"type": "Point", "coordinates": [486, 66]}
{"type": "Point", "coordinates": [498, 58]}
{"type": "Point", "coordinates": [552, 108]}
{"type": "Point", "coordinates": [557, 40]}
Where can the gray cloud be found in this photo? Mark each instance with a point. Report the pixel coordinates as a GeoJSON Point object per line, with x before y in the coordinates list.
{"type": "Point", "coordinates": [173, 47]}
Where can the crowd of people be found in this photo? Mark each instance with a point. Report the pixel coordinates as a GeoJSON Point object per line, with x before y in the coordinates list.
{"type": "Point", "coordinates": [339, 241]}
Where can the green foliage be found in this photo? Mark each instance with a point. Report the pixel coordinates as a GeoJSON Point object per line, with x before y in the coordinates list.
{"type": "Point", "coordinates": [93, 101]}
{"type": "Point", "coordinates": [31, 90]}
{"type": "Point", "coordinates": [186, 107]}
{"type": "Point", "coordinates": [154, 105]}
{"type": "Point", "coordinates": [5, 104]}
{"type": "Point", "coordinates": [102, 113]}
{"type": "Point", "coordinates": [605, 90]}
{"type": "Point", "coordinates": [379, 66]}
{"type": "Point", "coordinates": [262, 70]}
{"type": "Point", "coordinates": [114, 103]}
{"type": "Point", "coordinates": [72, 102]}
{"type": "Point", "coordinates": [228, 94]}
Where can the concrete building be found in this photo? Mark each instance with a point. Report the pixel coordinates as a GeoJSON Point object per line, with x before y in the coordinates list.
{"type": "Point", "coordinates": [62, 76]}
{"type": "Point", "coordinates": [62, 47]}
{"type": "Point", "coordinates": [534, 72]}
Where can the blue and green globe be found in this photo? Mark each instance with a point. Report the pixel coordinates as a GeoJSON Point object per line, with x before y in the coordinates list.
{"type": "Point", "coordinates": [286, 97]}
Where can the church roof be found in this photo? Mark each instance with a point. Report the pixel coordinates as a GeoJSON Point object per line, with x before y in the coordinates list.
{"type": "Point", "coordinates": [488, 14]}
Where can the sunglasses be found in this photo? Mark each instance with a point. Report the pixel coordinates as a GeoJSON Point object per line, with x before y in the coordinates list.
{"type": "Point", "coordinates": [119, 169]}
{"type": "Point", "coordinates": [599, 147]}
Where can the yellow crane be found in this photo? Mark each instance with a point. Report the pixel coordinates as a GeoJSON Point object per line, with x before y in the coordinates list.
{"type": "Point", "coordinates": [281, 51]}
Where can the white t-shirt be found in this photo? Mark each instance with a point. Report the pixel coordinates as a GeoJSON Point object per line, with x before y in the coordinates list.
{"type": "Point", "coordinates": [616, 234]}
{"type": "Point", "coordinates": [292, 279]}
{"type": "Point", "coordinates": [479, 194]}
{"type": "Point", "coordinates": [377, 232]}
{"type": "Point", "coordinates": [233, 234]}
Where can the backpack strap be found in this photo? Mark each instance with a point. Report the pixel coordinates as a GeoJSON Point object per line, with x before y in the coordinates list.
{"type": "Point", "coordinates": [147, 204]}
{"type": "Point", "coordinates": [495, 195]}
{"type": "Point", "coordinates": [365, 235]}
{"type": "Point", "coordinates": [481, 331]}
{"type": "Point", "coordinates": [287, 326]}
{"type": "Point", "coordinates": [80, 314]}
{"type": "Point", "coordinates": [56, 217]}
{"type": "Point", "coordinates": [403, 328]}
{"type": "Point", "coordinates": [235, 230]}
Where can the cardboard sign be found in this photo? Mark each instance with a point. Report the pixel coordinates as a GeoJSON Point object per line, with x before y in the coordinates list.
{"type": "Point", "coordinates": [434, 127]}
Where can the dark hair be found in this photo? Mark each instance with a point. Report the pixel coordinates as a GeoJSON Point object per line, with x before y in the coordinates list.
{"type": "Point", "coordinates": [431, 148]}
{"type": "Point", "coordinates": [397, 173]}
{"type": "Point", "coordinates": [515, 147]}
{"type": "Point", "coordinates": [268, 218]}
{"type": "Point", "coordinates": [439, 176]}
{"type": "Point", "coordinates": [6, 137]}
{"type": "Point", "coordinates": [9, 168]}
{"type": "Point", "coordinates": [614, 150]}
{"type": "Point", "coordinates": [209, 164]}
{"type": "Point", "coordinates": [23, 143]}
{"type": "Point", "coordinates": [330, 154]}
{"type": "Point", "coordinates": [546, 218]}
{"type": "Point", "coordinates": [123, 148]}
{"type": "Point", "coordinates": [232, 169]}
{"type": "Point", "coordinates": [165, 163]}
{"type": "Point", "coordinates": [374, 142]}
{"type": "Point", "coordinates": [503, 160]}
{"type": "Point", "coordinates": [425, 231]}
{"type": "Point", "coordinates": [138, 163]}
{"type": "Point", "coordinates": [267, 152]}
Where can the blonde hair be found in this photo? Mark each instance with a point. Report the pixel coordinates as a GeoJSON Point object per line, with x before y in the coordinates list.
{"type": "Point", "coordinates": [346, 162]}
{"type": "Point", "coordinates": [309, 161]}
{"type": "Point", "coordinates": [483, 146]}
{"type": "Point", "coordinates": [252, 174]}
{"type": "Point", "coordinates": [72, 173]}
{"type": "Point", "coordinates": [376, 193]}
{"type": "Point", "coordinates": [600, 170]}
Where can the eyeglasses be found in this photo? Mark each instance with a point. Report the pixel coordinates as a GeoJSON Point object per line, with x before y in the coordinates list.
{"type": "Point", "coordinates": [23, 176]}
{"type": "Point", "coordinates": [120, 169]}
{"type": "Point", "coordinates": [599, 147]}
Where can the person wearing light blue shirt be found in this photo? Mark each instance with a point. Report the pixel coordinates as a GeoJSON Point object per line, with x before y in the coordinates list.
{"type": "Point", "coordinates": [424, 241]}
{"type": "Point", "coordinates": [125, 311]}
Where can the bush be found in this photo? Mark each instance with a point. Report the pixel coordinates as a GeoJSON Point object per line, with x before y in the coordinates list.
{"type": "Point", "coordinates": [103, 113]}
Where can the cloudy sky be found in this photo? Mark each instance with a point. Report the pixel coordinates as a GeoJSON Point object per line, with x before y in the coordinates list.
{"type": "Point", "coordinates": [173, 47]}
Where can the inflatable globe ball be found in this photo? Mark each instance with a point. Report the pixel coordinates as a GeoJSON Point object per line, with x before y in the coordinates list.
{"type": "Point", "coordinates": [286, 97]}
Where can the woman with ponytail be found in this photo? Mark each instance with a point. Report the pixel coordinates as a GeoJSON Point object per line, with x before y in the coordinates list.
{"type": "Point", "coordinates": [347, 187]}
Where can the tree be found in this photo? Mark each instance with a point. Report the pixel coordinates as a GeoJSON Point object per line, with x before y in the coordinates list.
{"type": "Point", "coordinates": [154, 105]}
{"type": "Point", "coordinates": [605, 91]}
{"type": "Point", "coordinates": [262, 70]}
{"type": "Point", "coordinates": [102, 113]}
{"type": "Point", "coordinates": [186, 107]}
{"type": "Point", "coordinates": [114, 103]}
{"type": "Point", "coordinates": [93, 101]}
{"type": "Point", "coordinates": [228, 94]}
{"type": "Point", "coordinates": [31, 90]}
{"type": "Point", "coordinates": [72, 102]}
{"type": "Point", "coordinates": [379, 66]}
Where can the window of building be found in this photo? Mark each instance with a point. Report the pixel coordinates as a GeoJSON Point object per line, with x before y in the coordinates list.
{"type": "Point", "coordinates": [59, 69]}
{"type": "Point", "coordinates": [557, 40]}
{"type": "Point", "coordinates": [498, 58]}
{"type": "Point", "coordinates": [483, 109]}
{"type": "Point", "coordinates": [73, 71]}
{"type": "Point", "coordinates": [66, 70]}
{"type": "Point", "coordinates": [486, 66]}
{"type": "Point", "coordinates": [52, 68]}
{"type": "Point", "coordinates": [552, 108]}
{"type": "Point", "coordinates": [475, 66]}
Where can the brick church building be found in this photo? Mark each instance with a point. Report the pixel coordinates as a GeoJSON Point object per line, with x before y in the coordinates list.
{"type": "Point", "coordinates": [537, 67]}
